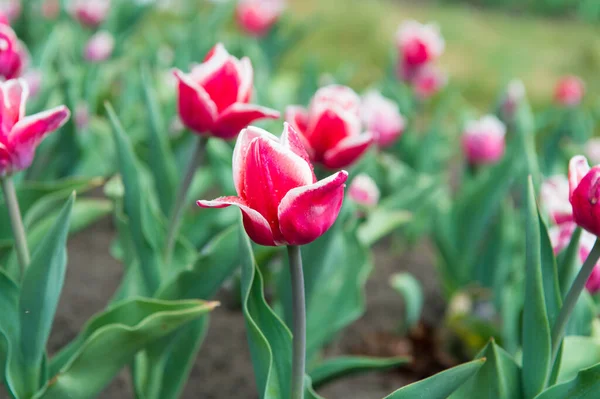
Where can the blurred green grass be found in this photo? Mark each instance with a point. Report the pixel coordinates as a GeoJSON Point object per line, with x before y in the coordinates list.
{"type": "Point", "coordinates": [484, 48]}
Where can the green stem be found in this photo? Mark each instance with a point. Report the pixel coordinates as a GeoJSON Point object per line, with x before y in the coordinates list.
{"type": "Point", "coordinates": [16, 222]}
{"type": "Point", "coordinates": [558, 331]}
{"type": "Point", "coordinates": [175, 219]}
{"type": "Point", "coordinates": [299, 309]}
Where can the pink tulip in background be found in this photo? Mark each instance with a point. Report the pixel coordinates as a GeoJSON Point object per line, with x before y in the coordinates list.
{"type": "Point", "coordinates": [382, 118]}
{"type": "Point", "coordinates": [82, 116]}
{"type": "Point", "coordinates": [364, 191]}
{"type": "Point", "coordinates": [514, 95]}
{"type": "Point", "coordinates": [584, 193]}
{"type": "Point", "coordinates": [483, 140]}
{"type": "Point", "coordinates": [14, 57]}
{"type": "Point", "coordinates": [214, 97]}
{"type": "Point", "coordinates": [569, 91]}
{"type": "Point", "coordinates": [90, 13]}
{"type": "Point", "coordinates": [50, 9]}
{"type": "Point", "coordinates": [554, 198]}
{"type": "Point", "coordinates": [256, 17]}
{"type": "Point", "coordinates": [20, 134]}
{"type": "Point", "coordinates": [418, 44]}
{"type": "Point", "coordinates": [428, 81]}
{"type": "Point", "coordinates": [11, 9]}
{"type": "Point", "coordinates": [331, 127]}
{"type": "Point", "coordinates": [279, 196]}
{"type": "Point", "coordinates": [100, 47]}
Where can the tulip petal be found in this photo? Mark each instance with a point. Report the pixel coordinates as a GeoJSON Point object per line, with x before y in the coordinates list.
{"type": "Point", "coordinates": [297, 116]}
{"type": "Point", "coordinates": [196, 109]}
{"type": "Point", "coordinates": [255, 224]}
{"type": "Point", "coordinates": [329, 126]}
{"type": "Point", "coordinates": [13, 96]}
{"type": "Point", "coordinates": [307, 212]}
{"type": "Point", "coordinates": [246, 73]}
{"type": "Point", "coordinates": [578, 168]}
{"type": "Point", "coordinates": [238, 116]}
{"type": "Point", "coordinates": [240, 152]}
{"type": "Point", "coordinates": [292, 140]}
{"type": "Point", "coordinates": [347, 151]}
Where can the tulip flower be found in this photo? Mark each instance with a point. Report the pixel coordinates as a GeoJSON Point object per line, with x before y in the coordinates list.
{"type": "Point", "coordinates": [11, 9]}
{"type": "Point", "coordinates": [214, 97]}
{"type": "Point", "coordinates": [584, 194]}
{"type": "Point", "coordinates": [100, 47]}
{"type": "Point", "coordinates": [90, 13]}
{"type": "Point", "coordinates": [363, 190]}
{"type": "Point", "coordinates": [418, 45]}
{"type": "Point", "coordinates": [514, 95]}
{"type": "Point", "coordinates": [569, 91]}
{"type": "Point", "coordinates": [256, 17]}
{"type": "Point", "coordinates": [278, 193]}
{"type": "Point", "coordinates": [560, 236]}
{"type": "Point", "coordinates": [82, 116]}
{"type": "Point", "coordinates": [331, 127]}
{"type": "Point", "coordinates": [428, 81]}
{"type": "Point", "coordinates": [50, 9]}
{"type": "Point", "coordinates": [20, 134]}
{"type": "Point", "coordinates": [382, 118]}
{"type": "Point", "coordinates": [483, 140]}
{"type": "Point", "coordinates": [13, 54]}
{"type": "Point", "coordinates": [555, 199]}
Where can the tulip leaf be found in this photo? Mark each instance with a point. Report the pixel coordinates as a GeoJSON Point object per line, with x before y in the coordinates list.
{"type": "Point", "coordinates": [380, 223]}
{"type": "Point", "coordinates": [579, 353]}
{"type": "Point", "coordinates": [339, 367]}
{"type": "Point", "coordinates": [536, 327]}
{"type": "Point", "coordinates": [83, 369]}
{"type": "Point", "coordinates": [552, 294]}
{"type": "Point", "coordinates": [585, 386]}
{"type": "Point", "coordinates": [569, 262]}
{"type": "Point", "coordinates": [412, 294]}
{"type": "Point", "coordinates": [270, 340]}
{"type": "Point", "coordinates": [10, 332]}
{"type": "Point", "coordinates": [441, 385]}
{"type": "Point", "coordinates": [309, 392]}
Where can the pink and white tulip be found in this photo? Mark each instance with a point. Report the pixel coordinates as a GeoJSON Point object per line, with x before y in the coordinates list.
{"type": "Point", "coordinates": [428, 81]}
{"type": "Point", "coordinates": [14, 57]}
{"type": "Point", "coordinates": [418, 45]}
{"type": "Point", "coordinates": [214, 97]}
{"type": "Point", "coordinates": [584, 194]}
{"type": "Point", "coordinates": [256, 17]}
{"type": "Point", "coordinates": [11, 9]}
{"type": "Point", "coordinates": [19, 134]}
{"type": "Point", "coordinates": [514, 95]}
{"type": "Point", "coordinates": [569, 91]}
{"type": "Point", "coordinates": [90, 13]}
{"type": "Point", "coordinates": [364, 191]}
{"type": "Point", "coordinates": [382, 118]}
{"type": "Point", "coordinates": [282, 202]}
{"type": "Point", "coordinates": [331, 127]}
{"type": "Point", "coordinates": [483, 140]}
{"type": "Point", "coordinates": [100, 47]}
{"type": "Point", "coordinates": [554, 196]}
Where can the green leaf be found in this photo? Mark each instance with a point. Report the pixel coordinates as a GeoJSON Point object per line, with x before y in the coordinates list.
{"type": "Point", "coordinates": [270, 340]}
{"type": "Point", "coordinates": [441, 385]}
{"type": "Point", "coordinates": [309, 392]}
{"type": "Point", "coordinates": [585, 386]}
{"type": "Point", "coordinates": [380, 223]}
{"type": "Point", "coordinates": [412, 294]}
{"type": "Point", "coordinates": [339, 367]}
{"type": "Point", "coordinates": [579, 353]}
{"type": "Point", "coordinates": [40, 292]}
{"type": "Point", "coordinates": [10, 333]}
{"type": "Point", "coordinates": [569, 263]}
{"type": "Point", "coordinates": [83, 369]}
{"type": "Point", "coordinates": [536, 328]}
{"type": "Point", "coordinates": [552, 294]}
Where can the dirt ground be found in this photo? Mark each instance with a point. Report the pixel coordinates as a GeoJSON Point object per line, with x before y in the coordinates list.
{"type": "Point", "coordinates": [223, 369]}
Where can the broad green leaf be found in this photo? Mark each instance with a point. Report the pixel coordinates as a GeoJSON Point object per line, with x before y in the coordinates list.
{"type": "Point", "coordinates": [380, 223]}
{"type": "Point", "coordinates": [552, 294]}
{"type": "Point", "coordinates": [441, 385]}
{"type": "Point", "coordinates": [10, 336]}
{"type": "Point", "coordinates": [579, 353]}
{"type": "Point", "coordinates": [585, 386]}
{"type": "Point", "coordinates": [536, 328]}
{"type": "Point", "coordinates": [412, 294]}
{"type": "Point", "coordinates": [270, 340]}
{"type": "Point", "coordinates": [339, 367]}
{"type": "Point", "coordinates": [569, 263]}
{"type": "Point", "coordinates": [40, 292]}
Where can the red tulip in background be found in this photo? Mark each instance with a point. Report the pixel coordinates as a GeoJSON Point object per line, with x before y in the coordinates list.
{"type": "Point", "coordinates": [382, 118]}
{"type": "Point", "coordinates": [363, 190]}
{"type": "Point", "coordinates": [20, 134]}
{"type": "Point", "coordinates": [418, 45]}
{"type": "Point", "coordinates": [331, 127]}
{"type": "Point", "coordinates": [214, 97]}
{"type": "Point", "coordinates": [256, 17]}
{"type": "Point", "coordinates": [278, 193]}
{"type": "Point", "coordinates": [100, 47]}
{"type": "Point", "coordinates": [483, 140]}
{"type": "Point", "coordinates": [13, 54]}
{"type": "Point", "coordinates": [584, 194]}
{"type": "Point", "coordinates": [569, 91]}
{"type": "Point", "coordinates": [90, 13]}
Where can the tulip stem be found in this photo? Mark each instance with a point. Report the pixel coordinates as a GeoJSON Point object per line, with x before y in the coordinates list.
{"type": "Point", "coordinates": [16, 222]}
{"type": "Point", "coordinates": [175, 218]}
{"type": "Point", "coordinates": [299, 309]}
{"type": "Point", "coordinates": [572, 297]}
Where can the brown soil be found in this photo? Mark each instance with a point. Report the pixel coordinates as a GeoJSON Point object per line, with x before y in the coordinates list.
{"type": "Point", "coordinates": [223, 369]}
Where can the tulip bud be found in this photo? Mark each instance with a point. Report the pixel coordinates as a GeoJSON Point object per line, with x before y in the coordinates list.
{"type": "Point", "coordinates": [90, 13]}
{"type": "Point", "coordinates": [14, 57]}
{"type": "Point", "coordinates": [20, 135]}
{"type": "Point", "coordinates": [554, 196]}
{"type": "Point", "coordinates": [214, 97]}
{"type": "Point", "coordinates": [483, 140]}
{"type": "Point", "coordinates": [382, 118]}
{"type": "Point", "coordinates": [418, 45]}
{"type": "Point", "coordinates": [569, 91]}
{"type": "Point", "coordinates": [51, 9]}
{"type": "Point", "coordinates": [514, 95]}
{"type": "Point", "coordinates": [256, 17]}
{"type": "Point", "coordinates": [331, 127]}
{"type": "Point", "coordinates": [363, 190]}
{"type": "Point", "coordinates": [100, 47]}
{"type": "Point", "coordinates": [584, 193]}
{"type": "Point", "coordinates": [11, 9]}
{"type": "Point", "coordinates": [82, 116]}
{"type": "Point", "coordinates": [282, 202]}
{"type": "Point", "coordinates": [428, 81]}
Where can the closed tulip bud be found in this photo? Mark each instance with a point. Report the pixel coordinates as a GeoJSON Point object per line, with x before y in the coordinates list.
{"type": "Point", "coordinates": [554, 196]}
{"type": "Point", "coordinates": [82, 116]}
{"type": "Point", "coordinates": [382, 118]}
{"type": "Point", "coordinates": [569, 91]}
{"type": "Point", "coordinates": [14, 57]}
{"type": "Point", "coordinates": [363, 190]}
{"type": "Point", "coordinates": [514, 95]}
{"type": "Point", "coordinates": [428, 81]}
{"type": "Point", "coordinates": [214, 97]}
{"type": "Point", "coordinates": [256, 17]}
{"type": "Point", "coordinates": [100, 47]}
{"type": "Point", "coordinates": [280, 198]}
{"type": "Point", "coordinates": [418, 45]}
{"type": "Point", "coordinates": [331, 128]}
{"type": "Point", "coordinates": [483, 140]}
{"type": "Point", "coordinates": [51, 9]}
{"type": "Point", "coordinates": [19, 134]}
{"type": "Point", "coordinates": [90, 13]}
{"type": "Point", "coordinates": [584, 194]}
